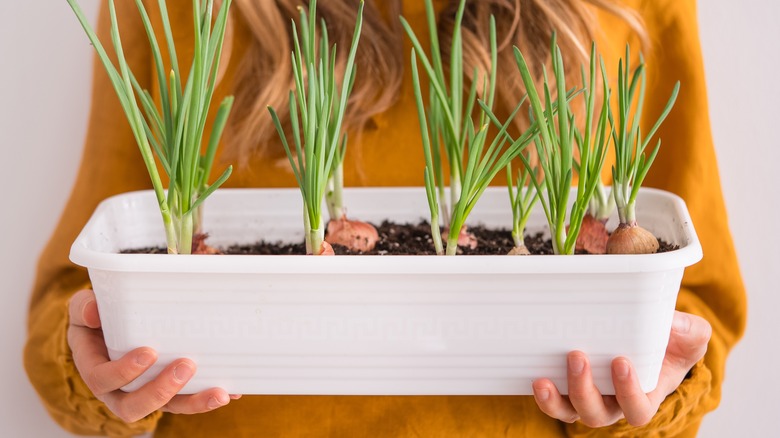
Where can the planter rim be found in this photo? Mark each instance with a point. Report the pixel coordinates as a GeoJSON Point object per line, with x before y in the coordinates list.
{"type": "Point", "coordinates": [82, 254]}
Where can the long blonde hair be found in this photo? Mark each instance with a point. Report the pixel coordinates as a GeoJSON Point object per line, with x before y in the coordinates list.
{"type": "Point", "coordinates": [265, 76]}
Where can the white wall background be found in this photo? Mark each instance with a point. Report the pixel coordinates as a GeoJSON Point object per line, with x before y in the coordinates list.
{"type": "Point", "coordinates": [45, 68]}
{"type": "Point", "coordinates": [45, 75]}
{"type": "Point", "coordinates": [741, 59]}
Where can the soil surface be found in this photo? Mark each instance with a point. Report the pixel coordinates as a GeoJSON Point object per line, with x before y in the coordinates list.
{"type": "Point", "coordinates": [405, 239]}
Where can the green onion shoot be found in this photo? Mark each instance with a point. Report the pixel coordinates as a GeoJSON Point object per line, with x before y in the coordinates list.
{"type": "Point", "coordinates": [450, 122]}
{"type": "Point", "coordinates": [558, 136]}
{"type": "Point", "coordinates": [173, 133]}
{"type": "Point", "coordinates": [522, 202]}
{"type": "Point", "coordinates": [317, 107]}
{"type": "Point", "coordinates": [593, 234]}
{"type": "Point", "coordinates": [603, 203]}
{"type": "Point", "coordinates": [631, 161]}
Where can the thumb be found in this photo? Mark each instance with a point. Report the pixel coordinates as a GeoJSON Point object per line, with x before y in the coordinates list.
{"type": "Point", "coordinates": [688, 340]}
{"type": "Point", "coordinates": [83, 309]}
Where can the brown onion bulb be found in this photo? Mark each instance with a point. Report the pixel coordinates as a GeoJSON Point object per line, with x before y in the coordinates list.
{"type": "Point", "coordinates": [631, 239]}
{"type": "Point", "coordinates": [519, 250]}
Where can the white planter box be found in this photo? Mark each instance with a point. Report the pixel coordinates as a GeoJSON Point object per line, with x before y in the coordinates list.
{"type": "Point", "coordinates": [378, 324]}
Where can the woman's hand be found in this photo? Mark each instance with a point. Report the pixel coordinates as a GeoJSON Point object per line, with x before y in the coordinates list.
{"type": "Point", "coordinates": [104, 376]}
{"type": "Point", "coordinates": [687, 345]}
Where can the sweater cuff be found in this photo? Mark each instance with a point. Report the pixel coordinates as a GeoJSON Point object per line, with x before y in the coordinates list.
{"type": "Point", "coordinates": [680, 410]}
{"type": "Point", "coordinates": [80, 411]}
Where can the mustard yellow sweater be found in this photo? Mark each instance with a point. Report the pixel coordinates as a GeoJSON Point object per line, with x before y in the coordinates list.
{"type": "Point", "coordinates": [392, 156]}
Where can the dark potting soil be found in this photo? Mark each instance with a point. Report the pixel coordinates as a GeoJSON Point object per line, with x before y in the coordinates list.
{"type": "Point", "coordinates": [408, 239]}
{"type": "Point", "coordinates": [411, 239]}
{"type": "Point", "coordinates": [147, 250]}
{"type": "Point", "coordinates": [404, 239]}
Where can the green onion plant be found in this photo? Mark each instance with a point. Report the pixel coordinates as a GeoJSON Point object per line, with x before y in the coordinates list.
{"type": "Point", "coordinates": [522, 197]}
{"type": "Point", "coordinates": [454, 123]}
{"type": "Point", "coordinates": [317, 107]}
{"type": "Point", "coordinates": [631, 161]}
{"type": "Point", "coordinates": [603, 203]}
{"type": "Point", "coordinates": [174, 132]}
{"type": "Point", "coordinates": [556, 142]}
{"type": "Point", "coordinates": [592, 236]}
{"type": "Point", "coordinates": [356, 235]}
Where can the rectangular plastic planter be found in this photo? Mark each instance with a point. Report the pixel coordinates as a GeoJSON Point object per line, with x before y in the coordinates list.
{"type": "Point", "coordinates": [378, 324]}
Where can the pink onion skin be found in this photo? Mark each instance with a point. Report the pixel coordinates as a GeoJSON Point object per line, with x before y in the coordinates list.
{"type": "Point", "coordinates": [326, 250]}
{"type": "Point", "coordinates": [355, 235]}
{"type": "Point", "coordinates": [199, 245]}
{"type": "Point", "coordinates": [467, 239]}
{"type": "Point", "coordinates": [593, 236]}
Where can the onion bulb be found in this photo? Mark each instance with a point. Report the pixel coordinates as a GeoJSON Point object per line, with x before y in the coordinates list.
{"type": "Point", "coordinates": [326, 250]}
{"type": "Point", "coordinates": [467, 239]}
{"type": "Point", "coordinates": [593, 236]}
{"type": "Point", "coordinates": [355, 235]}
{"type": "Point", "coordinates": [199, 245]}
{"type": "Point", "coordinates": [519, 250]}
{"type": "Point", "coordinates": [632, 239]}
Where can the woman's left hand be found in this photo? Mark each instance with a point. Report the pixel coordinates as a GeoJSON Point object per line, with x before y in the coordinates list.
{"type": "Point", "coordinates": [687, 345]}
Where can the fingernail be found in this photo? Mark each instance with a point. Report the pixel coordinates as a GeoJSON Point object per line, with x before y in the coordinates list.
{"type": "Point", "coordinates": [621, 369]}
{"type": "Point", "coordinates": [214, 403]}
{"type": "Point", "coordinates": [681, 323]}
{"type": "Point", "coordinates": [543, 394]}
{"type": "Point", "coordinates": [144, 359]}
{"type": "Point", "coordinates": [183, 372]}
{"type": "Point", "coordinates": [576, 364]}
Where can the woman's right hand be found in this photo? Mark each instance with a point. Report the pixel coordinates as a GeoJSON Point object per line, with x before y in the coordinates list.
{"type": "Point", "coordinates": [104, 377]}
